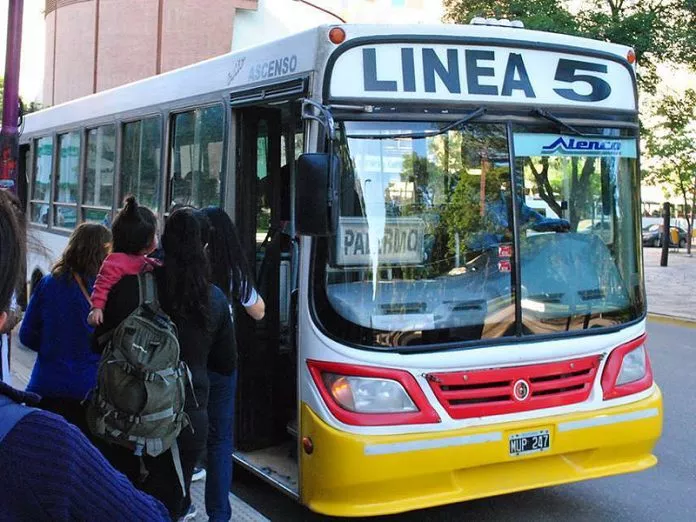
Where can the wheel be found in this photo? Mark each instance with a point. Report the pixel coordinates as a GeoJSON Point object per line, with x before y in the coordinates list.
{"type": "Point", "coordinates": [656, 243]}
{"type": "Point", "coordinates": [682, 243]}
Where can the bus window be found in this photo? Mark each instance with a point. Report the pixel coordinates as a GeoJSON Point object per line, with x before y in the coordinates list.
{"type": "Point", "coordinates": [263, 203]}
{"type": "Point", "coordinates": [140, 166]}
{"type": "Point", "coordinates": [41, 180]}
{"type": "Point", "coordinates": [67, 176]}
{"type": "Point", "coordinates": [195, 171]}
{"type": "Point", "coordinates": [98, 192]}
{"type": "Point", "coordinates": [577, 271]}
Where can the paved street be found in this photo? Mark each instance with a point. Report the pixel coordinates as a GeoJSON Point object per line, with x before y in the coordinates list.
{"type": "Point", "coordinates": [666, 492]}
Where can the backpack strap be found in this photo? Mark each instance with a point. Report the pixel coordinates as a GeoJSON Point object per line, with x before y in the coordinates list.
{"type": "Point", "coordinates": [148, 289]}
{"type": "Point", "coordinates": [10, 414]}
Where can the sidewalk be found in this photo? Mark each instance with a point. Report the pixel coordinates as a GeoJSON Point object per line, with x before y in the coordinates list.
{"type": "Point", "coordinates": [22, 364]}
{"type": "Point", "coordinates": [672, 289]}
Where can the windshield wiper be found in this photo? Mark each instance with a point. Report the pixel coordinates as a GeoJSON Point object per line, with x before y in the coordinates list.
{"type": "Point", "coordinates": [420, 135]}
{"type": "Point", "coordinates": [567, 126]}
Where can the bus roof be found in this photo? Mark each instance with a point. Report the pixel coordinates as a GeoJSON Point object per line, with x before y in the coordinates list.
{"type": "Point", "coordinates": [283, 59]}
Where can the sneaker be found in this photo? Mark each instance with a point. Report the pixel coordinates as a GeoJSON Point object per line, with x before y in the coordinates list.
{"type": "Point", "coordinates": [198, 474]}
{"type": "Point", "coordinates": [190, 514]}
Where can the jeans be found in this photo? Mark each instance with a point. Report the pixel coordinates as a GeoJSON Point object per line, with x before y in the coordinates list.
{"type": "Point", "coordinates": [221, 404]}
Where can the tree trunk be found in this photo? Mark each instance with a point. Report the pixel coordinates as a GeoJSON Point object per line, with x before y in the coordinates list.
{"type": "Point", "coordinates": [690, 232]}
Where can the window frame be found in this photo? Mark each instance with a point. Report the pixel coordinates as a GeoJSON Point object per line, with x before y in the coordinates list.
{"type": "Point", "coordinates": [119, 193]}
{"type": "Point", "coordinates": [32, 181]}
{"type": "Point", "coordinates": [83, 175]}
{"type": "Point", "coordinates": [170, 133]}
{"type": "Point", "coordinates": [55, 204]}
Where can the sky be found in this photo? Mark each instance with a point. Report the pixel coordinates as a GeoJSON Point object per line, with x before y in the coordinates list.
{"type": "Point", "coordinates": [33, 41]}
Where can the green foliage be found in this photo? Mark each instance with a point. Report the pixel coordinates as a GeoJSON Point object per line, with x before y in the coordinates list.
{"type": "Point", "coordinates": [658, 30]}
{"type": "Point", "coordinates": [673, 141]}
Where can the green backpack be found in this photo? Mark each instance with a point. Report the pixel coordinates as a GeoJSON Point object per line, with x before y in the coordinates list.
{"type": "Point", "coordinates": [139, 398]}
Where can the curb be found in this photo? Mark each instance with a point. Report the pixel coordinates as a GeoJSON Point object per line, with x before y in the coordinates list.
{"type": "Point", "coordinates": [670, 319]}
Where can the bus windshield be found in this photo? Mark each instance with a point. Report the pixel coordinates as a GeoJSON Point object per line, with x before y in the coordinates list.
{"type": "Point", "coordinates": [425, 248]}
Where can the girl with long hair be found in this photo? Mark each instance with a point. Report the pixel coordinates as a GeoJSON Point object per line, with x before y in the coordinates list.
{"type": "Point", "coordinates": [230, 272]}
{"type": "Point", "coordinates": [206, 340]}
{"type": "Point", "coordinates": [55, 326]}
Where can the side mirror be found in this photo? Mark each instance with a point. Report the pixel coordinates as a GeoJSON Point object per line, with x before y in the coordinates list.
{"type": "Point", "coordinates": [316, 194]}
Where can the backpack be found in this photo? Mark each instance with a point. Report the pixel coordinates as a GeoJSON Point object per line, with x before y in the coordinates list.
{"type": "Point", "coordinates": [139, 398]}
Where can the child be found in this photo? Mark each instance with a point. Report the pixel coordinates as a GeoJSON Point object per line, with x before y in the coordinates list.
{"type": "Point", "coordinates": [134, 238]}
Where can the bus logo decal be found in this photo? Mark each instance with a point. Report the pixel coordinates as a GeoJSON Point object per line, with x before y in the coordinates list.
{"type": "Point", "coordinates": [237, 66]}
{"type": "Point", "coordinates": [573, 146]}
{"type": "Point", "coordinates": [521, 390]}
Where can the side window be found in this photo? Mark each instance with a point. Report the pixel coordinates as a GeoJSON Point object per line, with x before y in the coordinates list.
{"type": "Point", "coordinates": [140, 164]}
{"type": "Point", "coordinates": [67, 180]}
{"type": "Point", "coordinates": [98, 188]}
{"type": "Point", "coordinates": [196, 167]}
{"type": "Point", "coordinates": [41, 180]}
{"type": "Point", "coordinates": [263, 201]}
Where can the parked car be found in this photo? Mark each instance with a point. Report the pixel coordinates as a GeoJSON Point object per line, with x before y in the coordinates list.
{"type": "Point", "coordinates": [652, 236]}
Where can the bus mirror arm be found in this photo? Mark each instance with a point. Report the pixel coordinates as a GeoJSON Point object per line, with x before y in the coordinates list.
{"type": "Point", "coordinates": [312, 110]}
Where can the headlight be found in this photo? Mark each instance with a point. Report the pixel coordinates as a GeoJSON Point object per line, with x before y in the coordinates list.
{"type": "Point", "coordinates": [627, 370]}
{"type": "Point", "coordinates": [368, 395]}
{"type": "Point", "coordinates": [633, 366]}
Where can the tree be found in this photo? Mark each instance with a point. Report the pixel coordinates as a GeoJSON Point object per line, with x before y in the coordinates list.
{"type": "Point", "coordinates": [672, 142]}
{"type": "Point", "coordinates": [658, 30]}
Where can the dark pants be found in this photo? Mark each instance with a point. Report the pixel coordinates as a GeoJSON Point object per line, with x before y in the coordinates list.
{"type": "Point", "coordinates": [161, 480]}
{"type": "Point", "coordinates": [70, 409]}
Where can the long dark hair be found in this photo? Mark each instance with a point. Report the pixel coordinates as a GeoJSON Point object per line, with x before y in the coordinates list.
{"type": "Point", "coordinates": [11, 249]}
{"type": "Point", "coordinates": [134, 228]}
{"type": "Point", "coordinates": [229, 268]}
{"type": "Point", "coordinates": [87, 248]}
{"type": "Point", "coordinates": [186, 268]}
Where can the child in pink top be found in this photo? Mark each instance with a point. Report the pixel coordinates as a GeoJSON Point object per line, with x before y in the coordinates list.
{"type": "Point", "coordinates": [134, 238]}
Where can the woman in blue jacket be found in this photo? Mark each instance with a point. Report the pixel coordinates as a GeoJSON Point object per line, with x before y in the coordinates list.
{"type": "Point", "coordinates": [55, 326]}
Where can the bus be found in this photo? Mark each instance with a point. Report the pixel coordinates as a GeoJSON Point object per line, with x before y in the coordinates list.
{"type": "Point", "coordinates": [430, 337]}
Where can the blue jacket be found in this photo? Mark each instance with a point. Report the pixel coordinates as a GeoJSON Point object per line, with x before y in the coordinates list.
{"type": "Point", "coordinates": [55, 326]}
{"type": "Point", "coordinates": [50, 471]}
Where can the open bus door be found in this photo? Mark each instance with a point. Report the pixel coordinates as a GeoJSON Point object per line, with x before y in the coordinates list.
{"type": "Point", "coordinates": [267, 388]}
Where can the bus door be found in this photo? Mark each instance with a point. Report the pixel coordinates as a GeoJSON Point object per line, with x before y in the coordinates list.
{"type": "Point", "coordinates": [267, 387]}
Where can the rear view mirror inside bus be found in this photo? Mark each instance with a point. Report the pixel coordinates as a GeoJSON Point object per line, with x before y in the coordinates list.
{"type": "Point", "coordinates": [316, 201]}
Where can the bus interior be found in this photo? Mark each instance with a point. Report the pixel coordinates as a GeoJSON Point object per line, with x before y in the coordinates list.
{"type": "Point", "coordinates": [270, 139]}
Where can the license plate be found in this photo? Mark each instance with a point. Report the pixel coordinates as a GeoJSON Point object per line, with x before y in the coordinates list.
{"type": "Point", "coordinates": [530, 442]}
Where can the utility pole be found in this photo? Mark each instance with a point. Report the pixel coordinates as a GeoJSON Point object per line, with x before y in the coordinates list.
{"type": "Point", "coordinates": [9, 136]}
{"type": "Point", "coordinates": [666, 221]}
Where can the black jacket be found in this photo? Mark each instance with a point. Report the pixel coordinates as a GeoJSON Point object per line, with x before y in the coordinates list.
{"type": "Point", "coordinates": [211, 348]}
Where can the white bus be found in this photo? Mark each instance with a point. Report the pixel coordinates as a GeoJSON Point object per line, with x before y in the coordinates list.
{"type": "Point", "coordinates": [430, 338]}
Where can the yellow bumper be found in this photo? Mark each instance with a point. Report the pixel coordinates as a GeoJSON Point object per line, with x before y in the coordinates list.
{"type": "Point", "coordinates": [363, 475]}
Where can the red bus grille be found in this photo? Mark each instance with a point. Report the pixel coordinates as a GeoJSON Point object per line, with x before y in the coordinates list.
{"type": "Point", "coordinates": [479, 393]}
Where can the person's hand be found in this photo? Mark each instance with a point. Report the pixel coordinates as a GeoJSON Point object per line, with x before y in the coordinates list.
{"type": "Point", "coordinates": [13, 319]}
{"type": "Point", "coordinates": [95, 317]}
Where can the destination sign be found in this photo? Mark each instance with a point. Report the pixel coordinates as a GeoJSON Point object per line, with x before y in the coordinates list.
{"type": "Point", "coordinates": [474, 73]}
{"type": "Point", "coordinates": [401, 242]}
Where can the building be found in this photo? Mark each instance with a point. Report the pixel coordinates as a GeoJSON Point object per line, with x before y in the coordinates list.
{"type": "Point", "coordinates": [93, 45]}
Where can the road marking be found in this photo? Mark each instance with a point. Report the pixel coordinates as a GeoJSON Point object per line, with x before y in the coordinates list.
{"type": "Point", "coordinates": [670, 319]}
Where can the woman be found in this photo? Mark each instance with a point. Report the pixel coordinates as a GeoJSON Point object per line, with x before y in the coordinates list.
{"type": "Point", "coordinates": [230, 272]}
{"type": "Point", "coordinates": [206, 339]}
{"type": "Point", "coordinates": [55, 326]}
